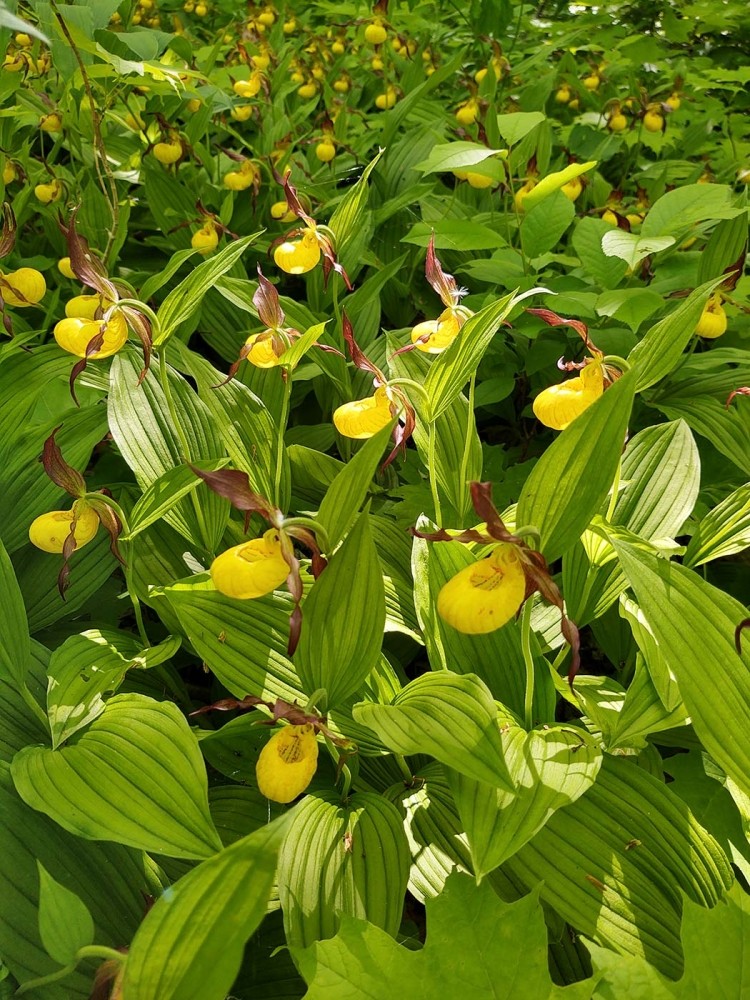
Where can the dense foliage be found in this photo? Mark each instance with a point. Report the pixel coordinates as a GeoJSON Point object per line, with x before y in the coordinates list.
{"type": "Point", "coordinates": [374, 500]}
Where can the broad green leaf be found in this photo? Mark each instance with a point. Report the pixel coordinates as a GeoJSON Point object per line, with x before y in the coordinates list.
{"type": "Point", "coordinates": [454, 234]}
{"type": "Point", "coordinates": [143, 429]}
{"type": "Point", "coordinates": [553, 182]}
{"type": "Point", "coordinates": [243, 642]}
{"type": "Point", "coordinates": [191, 943]}
{"type": "Point", "coordinates": [515, 126]}
{"type": "Point", "coordinates": [662, 676]}
{"type": "Point", "coordinates": [158, 280]}
{"type": "Point", "coordinates": [631, 248]}
{"type": "Point", "coordinates": [451, 370]}
{"type": "Point", "coordinates": [347, 218]}
{"type": "Point", "coordinates": [339, 860]}
{"type": "Point", "coordinates": [693, 623]}
{"type": "Point", "coordinates": [14, 633]}
{"type": "Point", "coordinates": [21, 722]}
{"type": "Point", "coordinates": [456, 155]}
{"type": "Point", "coordinates": [451, 716]}
{"type": "Point", "coordinates": [549, 769]}
{"type": "Point", "coordinates": [331, 654]}
{"type": "Point", "coordinates": [587, 243]}
{"type": "Point", "coordinates": [186, 298]}
{"type": "Point", "coordinates": [112, 881]}
{"type": "Point", "coordinates": [685, 206]}
{"type": "Point", "coordinates": [659, 352]}
{"type": "Point", "coordinates": [716, 958]}
{"type": "Point", "coordinates": [347, 492]}
{"type": "Point", "coordinates": [660, 477]}
{"type": "Point", "coordinates": [65, 924]}
{"type": "Point", "coordinates": [629, 305]}
{"type": "Point", "coordinates": [723, 248]}
{"type": "Point", "coordinates": [88, 667]}
{"type": "Point", "coordinates": [543, 226]}
{"type": "Point", "coordinates": [135, 776]}
{"type": "Point", "coordinates": [477, 946]}
{"type": "Point", "coordinates": [615, 864]}
{"type": "Point", "coordinates": [163, 493]}
{"type": "Point", "coordinates": [724, 531]}
{"type": "Point", "coordinates": [571, 479]}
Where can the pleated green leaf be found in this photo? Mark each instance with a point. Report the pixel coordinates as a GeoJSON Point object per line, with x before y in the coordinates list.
{"type": "Point", "coordinates": [693, 623]}
{"type": "Point", "coordinates": [190, 945]}
{"type": "Point", "coordinates": [724, 531]}
{"type": "Point", "coordinates": [186, 298]}
{"type": "Point", "coordinates": [14, 633]}
{"type": "Point", "coordinates": [568, 484]}
{"type": "Point", "coordinates": [660, 473]}
{"type": "Point", "coordinates": [163, 494]}
{"type": "Point", "coordinates": [111, 880]}
{"type": "Point", "coordinates": [144, 432]}
{"type": "Point", "coordinates": [65, 924]}
{"type": "Point", "coordinates": [347, 492]}
{"type": "Point", "coordinates": [339, 859]}
{"type": "Point", "coordinates": [451, 370]}
{"type": "Point", "coordinates": [135, 776]}
{"type": "Point", "coordinates": [549, 768]}
{"type": "Point", "coordinates": [451, 716]}
{"type": "Point", "coordinates": [243, 642]}
{"type": "Point", "coordinates": [343, 619]}
{"type": "Point", "coordinates": [616, 863]}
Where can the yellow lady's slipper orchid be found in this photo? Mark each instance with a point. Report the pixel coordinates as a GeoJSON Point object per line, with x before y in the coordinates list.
{"type": "Point", "coordinates": [468, 112]}
{"type": "Point", "coordinates": [86, 306]}
{"type": "Point", "coordinates": [252, 569]}
{"type": "Point", "coordinates": [375, 33]}
{"type": "Point", "coordinates": [522, 193]}
{"type": "Point", "coordinates": [434, 335]}
{"type": "Point", "coordinates": [248, 88]}
{"type": "Point", "coordinates": [63, 266]}
{"type": "Point", "coordinates": [572, 189]}
{"type": "Point", "coordinates": [47, 193]}
{"type": "Point", "coordinates": [363, 418]}
{"type": "Point", "coordinates": [240, 180]}
{"type": "Point", "coordinates": [298, 256]}
{"type": "Point", "coordinates": [484, 596]}
{"type": "Point", "coordinates": [49, 531]}
{"type": "Point", "coordinates": [74, 334]}
{"type": "Point", "coordinates": [242, 112]}
{"type": "Point", "coordinates": [713, 321]}
{"type": "Point", "coordinates": [24, 287]}
{"type": "Point", "coordinates": [51, 122]}
{"type": "Point", "coordinates": [263, 347]}
{"type": "Point", "coordinates": [559, 405]}
{"type": "Point", "coordinates": [287, 763]}
{"type": "Point", "coordinates": [206, 239]}
{"type": "Point", "coordinates": [168, 152]}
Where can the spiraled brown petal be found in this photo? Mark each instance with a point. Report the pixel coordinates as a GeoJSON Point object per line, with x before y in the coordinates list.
{"type": "Point", "coordinates": [8, 234]}
{"type": "Point", "coordinates": [266, 301]}
{"type": "Point", "coordinates": [58, 470]}
{"type": "Point", "coordinates": [111, 523]}
{"type": "Point", "coordinates": [444, 284]}
{"type": "Point", "coordinates": [552, 319]}
{"type": "Point", "coordinates": [358, 356]}
{"type": "Point", "coordinates": [85, 265]}
{"type": "Point", "coordinates": [234, 486]}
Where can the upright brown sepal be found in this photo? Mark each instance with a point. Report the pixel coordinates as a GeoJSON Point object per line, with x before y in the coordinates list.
{"type": "Point", "coordinates": [8, 233]}
{"type": "Point", "coordinates": [444, 284]}
{"type": "Point", "coordinates": [266, 301]}
{"type": "Point", "coordinates": [58, 470]}
{"type": "Point", "coordinates": [234, 486]}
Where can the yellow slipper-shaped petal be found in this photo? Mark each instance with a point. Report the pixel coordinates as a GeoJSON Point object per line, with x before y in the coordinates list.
{"type": "Point", "coordinates": [75, 334]}
{"type": "Point", "coordinates": [49, 531]}
{"type": "Point", "coordinates": [559, 405]}
{"type": "Point", "coordinates": [362, 418]}
{"type": "Point", "coordinates": [287, 763]}
{"type": "Point", "coordinates": [298, 256]}
{"type": "Point", "coordinates": [486, 595]}
{"type": "Point", "coordinates": [434, 335]}
{"type": "Point", "coordinates": [252, 569]}
{"type": "Point", "coordinates": [262, 351]}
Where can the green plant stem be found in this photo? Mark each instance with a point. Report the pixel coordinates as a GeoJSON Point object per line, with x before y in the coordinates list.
{"type": "Point", "coordinates": [404, 768]}
{"type": "Point", "coordinates": [470, 425]}
{"type": "Point", "coordinates": [560, 658]}
{"type": "Point", "coordinates": [283, 417]}
{"type": "Point", "coordinates": [528, 660]}
{"type": "Point", "coordinates": [101, 951]}
{"type": "Point", "coordinates": [431, 471]}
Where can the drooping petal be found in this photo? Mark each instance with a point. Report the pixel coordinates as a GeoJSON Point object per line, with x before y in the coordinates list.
{"type": "Point", "coordinates": [559, 405]}
{"type": "Point", "coordinates": [484, 596]}
{"type": "Point", "coordinates": [252, 569]}
{"type": "Point", "coordinates": [363, 418]}
{"type": "Point", "coordinates": [287, 763]}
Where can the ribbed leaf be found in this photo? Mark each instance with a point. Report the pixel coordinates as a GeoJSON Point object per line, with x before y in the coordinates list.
{"type": "Point", "coordinates": [241, 420]}
{"type": "Point", "coordinates": [24, 375]}
{"type": "Point", "coordinates": [615, 863]}
{"type": "Point", "coordinates": [190, 945]}
{"type": "Point", "coordinates": [694, 625]}
{"type": "Point", "coordinates": [451, 716]}
{"type": "Point", "coordinates": [724, 247]}
{"type": "Point", "coordinates": [724, 531]}
{"type": "Point", "coordinates": [65, 924]}
{"type": "Point", "coordinates": [136, 776]}
{"type": "Point", "coordinates": [347, 219]}
{"type": "Point", "coordinates": [549, 768]}
{"type": "Point", "coordinates": [14, 633]}
{"type": "Point", "coordinates": [243, 642]}
{"type": "Point", "coordinates": [661, 476]}
{"type": "Point", "coordinates": [571, 479]}
{"type": "Point", "coordinates": [142, 428]}
{"type": "Point", "coordinates": [347, 492]}
{"type": "Point", "coordinates": [163, 494]}
{"type": "Point", "coordinates": [88, 667]}
{"type": "Point", "coordinates": [332, 654]}
{"type": "Point", "coordinates": [185, 299]}
{"type": "Point", "coordinates": [451, 370]}
{"type": "Point", "coordinates": [111, 880]}
{"type": "Point", "coordinates": [338, 859]}
{"type": "Point", "coordinates": [660, 350]}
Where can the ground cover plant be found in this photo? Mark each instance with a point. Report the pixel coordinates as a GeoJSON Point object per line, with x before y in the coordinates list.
{"type": "Point", "coordinates": [375, 500]}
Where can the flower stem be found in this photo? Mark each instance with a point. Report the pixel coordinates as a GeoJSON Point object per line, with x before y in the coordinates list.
{"type": "Point", "coordinates": [431, 471]}
{"type": "Point", "coordinates": [528, 660]}
{"type": "Point", "coordinates": [470, 425]}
